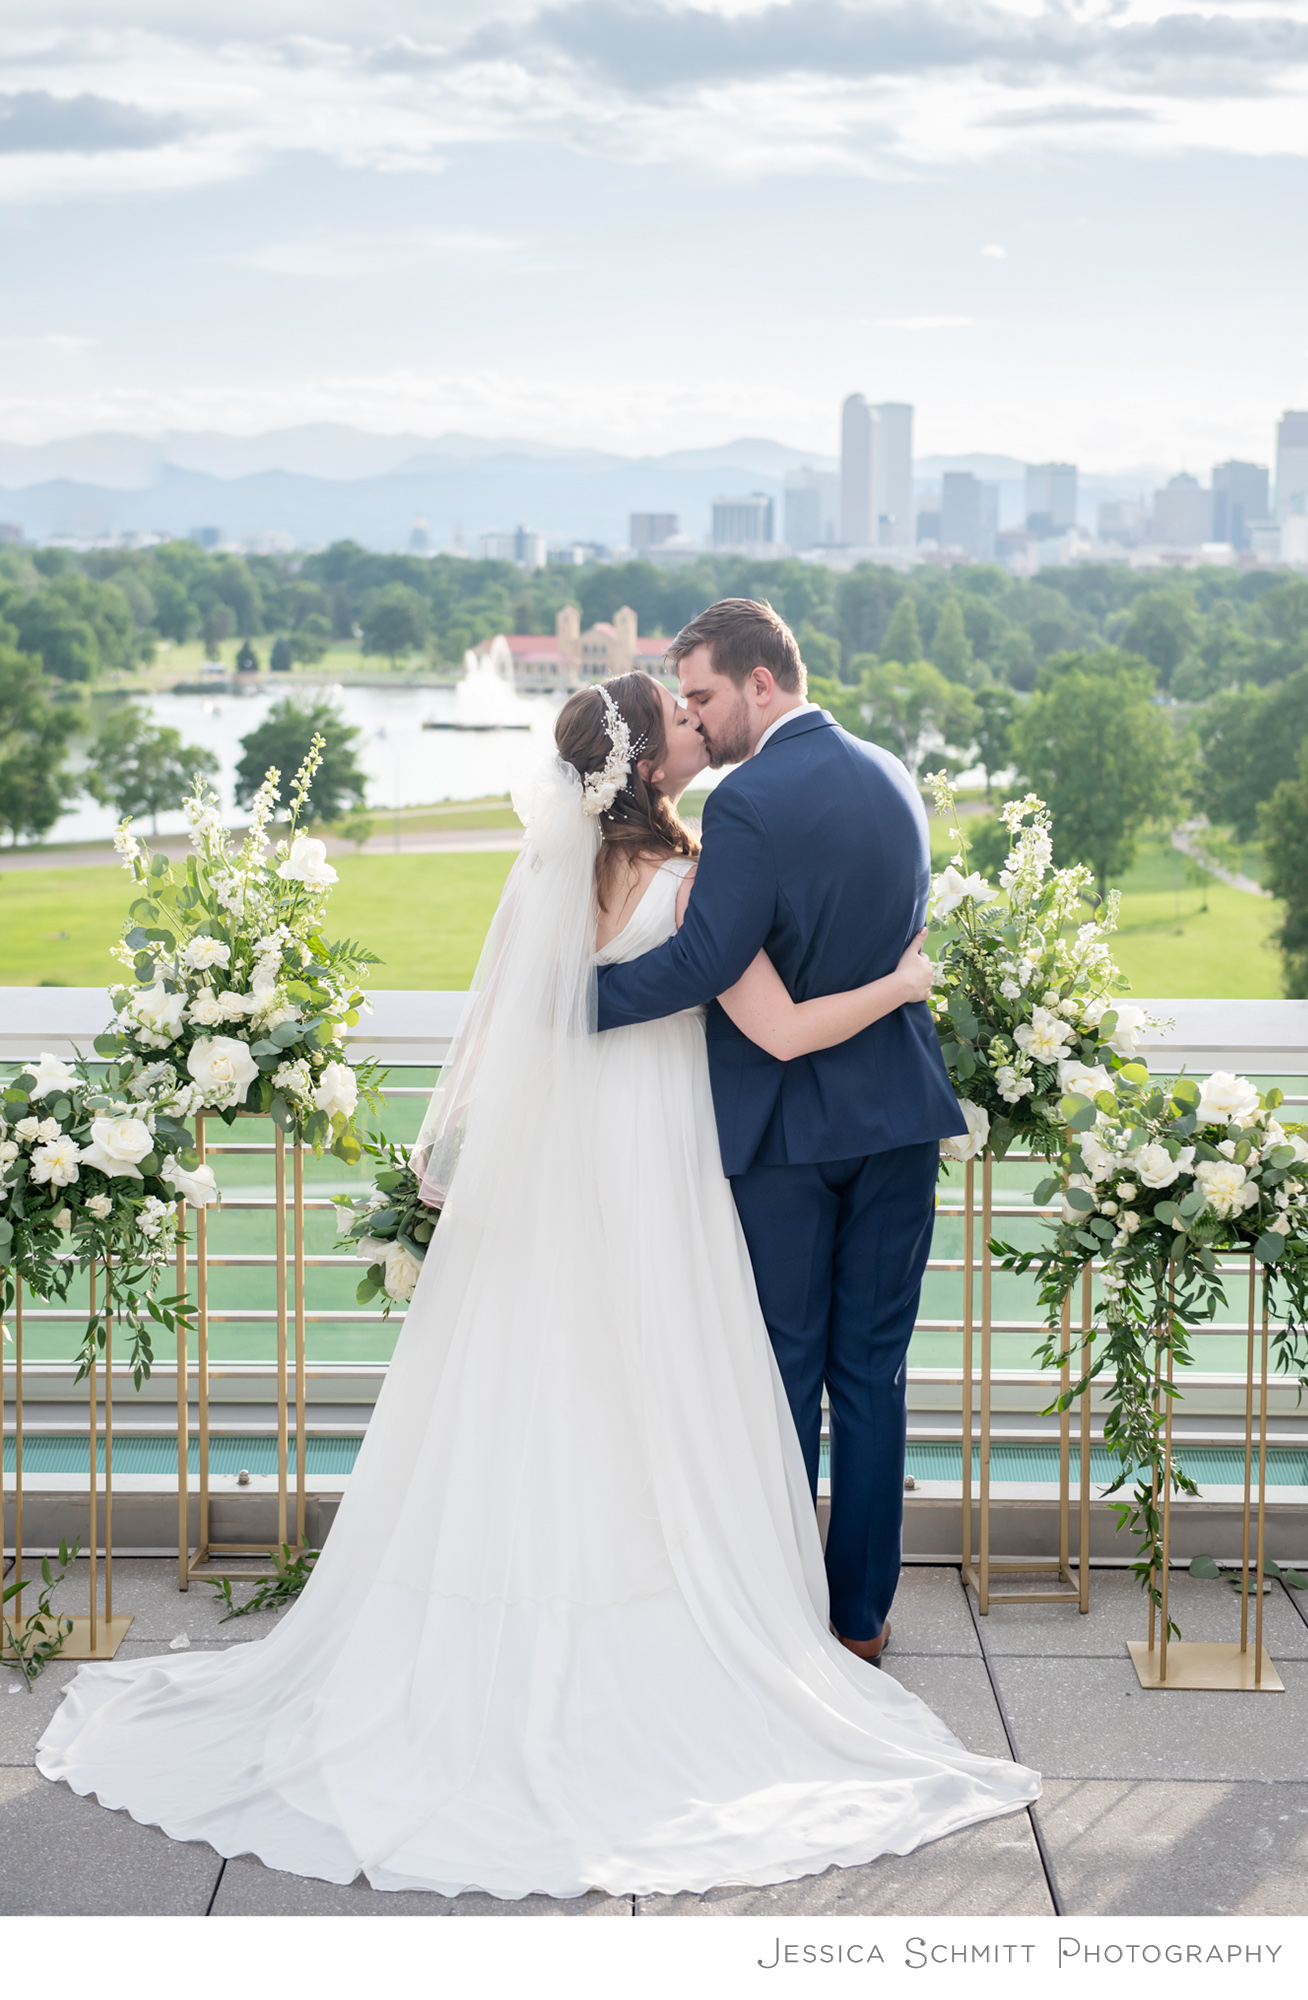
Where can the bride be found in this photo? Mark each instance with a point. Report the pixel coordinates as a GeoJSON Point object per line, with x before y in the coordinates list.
{"type": "Point", "coordinates": [570, 1629]}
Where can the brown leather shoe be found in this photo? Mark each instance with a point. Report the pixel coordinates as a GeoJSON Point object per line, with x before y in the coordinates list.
{"type": "Point", "coordinates": [869, 1649]}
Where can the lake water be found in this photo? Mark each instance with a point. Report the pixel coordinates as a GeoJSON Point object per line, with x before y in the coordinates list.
{"type": "Point", "coordinates": [406, 764]}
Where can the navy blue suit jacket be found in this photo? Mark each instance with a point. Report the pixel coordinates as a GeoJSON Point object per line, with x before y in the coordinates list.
{"type": "Point", "coordinates": [816, 852]}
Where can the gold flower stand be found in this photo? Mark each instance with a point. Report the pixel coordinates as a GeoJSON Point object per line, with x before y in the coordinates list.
{"type": "Point", "coordinates": [96, 1634]}
{"type": "Point", "coordinates": [980, 1575]}
{"type": "Point", "coordinates": [202, 1562]}
{"type": "Point", "coordinates": [1199, 1664]}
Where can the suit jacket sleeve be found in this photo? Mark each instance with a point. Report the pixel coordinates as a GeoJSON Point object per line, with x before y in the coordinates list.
{"type": "Point", "coordinates": [727, 921]}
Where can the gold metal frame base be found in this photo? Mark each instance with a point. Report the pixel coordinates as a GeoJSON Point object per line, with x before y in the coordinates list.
{"type": "Point", "coordinates": [109, 1636]}
{"type": "Point", "coordinates": [203, 1566]}
{"type": "Point", "coordinates": [1066, 1590]}
{"type": "Point", "coordinates": [1206, 1667]}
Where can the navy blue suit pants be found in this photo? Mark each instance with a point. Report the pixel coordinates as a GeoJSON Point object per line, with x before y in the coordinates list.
{"type": "Point", "coordinates": [838, 1251]}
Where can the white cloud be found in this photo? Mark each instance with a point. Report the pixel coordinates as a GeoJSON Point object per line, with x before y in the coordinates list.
{"type": "Point", "coordinates": [863, 88]}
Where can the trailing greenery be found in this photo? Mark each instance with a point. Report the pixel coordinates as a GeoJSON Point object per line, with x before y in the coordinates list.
{"type": "Point", "coordinates": [391, 1226]}
{"type": "Point", "coordinates": [272, 1593]}
{"type": "Point", "coordinates": [31, 1643]}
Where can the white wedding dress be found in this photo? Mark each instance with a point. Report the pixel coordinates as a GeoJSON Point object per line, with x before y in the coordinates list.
{"type": "Point", "coordinates": [569, 1630]}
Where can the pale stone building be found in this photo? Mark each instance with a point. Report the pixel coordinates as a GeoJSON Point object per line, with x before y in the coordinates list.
{"type": "Point", "coordinates": [534, 661]}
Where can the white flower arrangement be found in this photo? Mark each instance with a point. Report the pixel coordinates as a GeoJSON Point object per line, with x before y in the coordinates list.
{"type": "Point", "coordinates": [234, 986]}
{"type": "Point", "coordinates": [1156, 1182]}
{"type": "Point", "coordinates": [390, 1226]}
{"type": "Point", "coordinates": [94, 1174]}
{"type": "Point", "coordinates": [1022, 1000]}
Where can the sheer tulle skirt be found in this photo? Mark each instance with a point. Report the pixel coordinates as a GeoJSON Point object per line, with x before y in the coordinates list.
{"type": "Point", "coordinates": [569, 1630]}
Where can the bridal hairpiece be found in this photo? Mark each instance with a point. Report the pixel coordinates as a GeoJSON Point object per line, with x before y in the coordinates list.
{"type": "Point", "coordinates": [600, 788]}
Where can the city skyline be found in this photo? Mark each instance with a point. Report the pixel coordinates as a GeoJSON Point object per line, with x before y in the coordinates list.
{"type": "Point", "coordinates": [1061, 234]}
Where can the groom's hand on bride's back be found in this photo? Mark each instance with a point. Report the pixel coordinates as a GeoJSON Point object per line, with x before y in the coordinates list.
{"type": "Point", "coordinates": [916, 969]}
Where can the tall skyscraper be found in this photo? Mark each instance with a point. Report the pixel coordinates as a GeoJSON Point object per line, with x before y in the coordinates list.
{"type": "Point", "coordinates": [747, 519]}
{"type": "Point", "coordinates": [646, 531]}
{"type": "Point", "coordinates": [1183, 513]}
{"type": "Point", "coordinates": [1239, 499]}
{"type": "Point", "coordinates": [895, 475]}
{"type": "Point", "coordinates": [812, 518]}
{"type": "Point", "coordinates": [1292, 465]}
{"type": "Point", "coordinates": [969, 515]}
{"type": "Point", "coordinates": [859, 511]}
{"type": "Point", "coordinates": [1050, 498]}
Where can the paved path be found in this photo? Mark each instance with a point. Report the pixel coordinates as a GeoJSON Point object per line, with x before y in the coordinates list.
{"type": "Point", "coordinates": [1185, 1804]}
{"type": "Point", "coordinates": [1184, 841]}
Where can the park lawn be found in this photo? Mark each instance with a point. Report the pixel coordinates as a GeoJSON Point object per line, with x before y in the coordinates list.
{"type": "Point", "coordinates": [424, 914]}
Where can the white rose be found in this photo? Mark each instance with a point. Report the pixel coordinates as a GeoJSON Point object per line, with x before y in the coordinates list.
{"type": "Point", "coordinates": [1045, 1038]}
{"type": "Point", "coordinates": [1157, 1168]}
{"type": "Point", "coordinates": [949, 889]}
{"type": "Point", "coordinates": [1071, 1214]}
{"type": "Point", "coordinates": [372, 1249]}
{"type": "Point", "coordinates": [1129, 1223]}
{"type": "Point", "coordinates": [49, 1129]}
{"type": "Point", "coordinates": [100, 1206]}
{"type": "Point", "coordinates": [1126, 1035]}
{"type": "Point", "coordinates": [1127, 1191]}
{"type": "Point", "coordinates": [204, 1010]}
{"type": "Point", "coordinates": [236, 1006]}
{"type": "Point", "coordinates": [1069, 1008]}
{"type": "Point", "coordinates": [116, 1146]}
{"type": "Point", "coordinates": [223, 1067]}
{"type": "Point", "coordinates": [8, 1151]}
{"type": "Point", "coordinates": [195, 1184]}
{"type": "Point", "coordinates": [64, 1219]}
{"type": "Point", "coordinates": [1083, 1079]}
{"type": "Point", "coordinates": [56, 1162]}
{"type": "Point", "coordinates": [1227, 1099]}
{"type": "Point", "coordinates": [202, 952]}
{"type": "Point", "coordinates": [28, 1130]}
{"type": "Point", "coordinates": [160, 1010]}
{"type": "Point", "coordinates": [50, 1075]}
{"type": "Point", "coordinates": [402, 1269]}
{"type": "Point", "coordinates": [1225, 1186]}
{"type": "Point", "coordinates": [966, 1145]}
{"type": "Point", "coordinates": [307, 862]}
{"type": "Point", "coordinates": [1281, 1226]}
{"type": "Point", "coordinates": [338, 1090]}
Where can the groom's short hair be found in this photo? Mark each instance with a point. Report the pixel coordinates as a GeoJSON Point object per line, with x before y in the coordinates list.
{"type": "Point", "coordinates": [741, 634]}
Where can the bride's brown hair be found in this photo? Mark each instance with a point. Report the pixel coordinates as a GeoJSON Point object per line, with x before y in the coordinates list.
{"type": "Point", "coordinates": [640, 820]}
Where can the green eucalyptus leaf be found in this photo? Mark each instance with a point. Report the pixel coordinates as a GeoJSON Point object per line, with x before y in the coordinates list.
{"type": "Point", "coordinates": [1186, 1091]}
{"type": "Point", "coordinates": [1269, 1247]}
{"type": "Point", "coordinates": [1080, 1199]}
{"type": "Point", "coordinates": [1132, 1072]}
{"type": "Point", "coordinates": [1205, 1567]}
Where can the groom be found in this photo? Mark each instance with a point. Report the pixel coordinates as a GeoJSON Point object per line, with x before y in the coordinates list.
{"type": "Point", "coordinates": [815, 851]}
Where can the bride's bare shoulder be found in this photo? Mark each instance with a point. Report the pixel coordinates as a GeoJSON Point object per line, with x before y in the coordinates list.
{"type": "Point", "coordinates": [624, 895]}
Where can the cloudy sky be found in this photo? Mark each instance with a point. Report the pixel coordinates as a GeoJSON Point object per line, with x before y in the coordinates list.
{"type": "Point", "coordinates": [1059, 227]}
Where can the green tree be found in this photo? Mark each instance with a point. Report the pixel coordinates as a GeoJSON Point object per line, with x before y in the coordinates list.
{"type": "Point", "coordinates": [66, 644]}
{"type": "Point", "coordinates": [106, 610]}
{"type": "Point", "coordinates": [394, 621]}
{"type": "Point", "coordinates": [951, 649]}
{"type": "Point", "coordinates": [996, 711]}
{"type": "Point", "coordinates": [140, 767]}
{"type": "Point", "coordinates": [1222, 658]}
{"type": "Point", "coordinates": [281, 659]}
{"type": "Point", "coordinates": [909, 710]}
{"type": "Point", "coordinates": [311, 638]}
{"type": "Point", "coordinates": [1101, 755]}
{"type": "Point", "coordinates": [282, 740]}
{"type": "Point", "coordinates": [819, 651]}
{"type": "Point", "coordinates": [35, 784]}
{"type": "Point", "coordinates": [1249, 743]}
{"type": "Point", "coordinates": [1161, 627]}
{"type": "Point", "coordinates": [903, 640]}
{"type": "Point", "coordinates": [1283, 820]}
{"type": "Point", "coordinates": [247, 660]}
{"type": "Point", "coordinates": [865, 602]}
{"type": "Point", "coordinates": [217, 625]}
{"type": "Point", "coordinates": [175, 616]}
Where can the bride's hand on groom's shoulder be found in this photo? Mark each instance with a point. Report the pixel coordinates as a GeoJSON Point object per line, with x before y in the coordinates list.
{"type": "Point", "coordinates": [916, 969]}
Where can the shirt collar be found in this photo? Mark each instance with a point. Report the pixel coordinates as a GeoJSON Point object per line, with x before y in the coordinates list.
{"type": "Point", "coordinates": [805, 708]}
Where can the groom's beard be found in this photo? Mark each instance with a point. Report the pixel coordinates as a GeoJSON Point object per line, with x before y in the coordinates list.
{"type": "Point", "coordinates": [730, 742]}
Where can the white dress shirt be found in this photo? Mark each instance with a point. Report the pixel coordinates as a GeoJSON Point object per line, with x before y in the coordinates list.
{"type": "Point", "coordinates": [805, 708]}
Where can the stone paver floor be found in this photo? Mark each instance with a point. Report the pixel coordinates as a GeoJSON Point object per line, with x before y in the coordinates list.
{"type": "Point", "coordinates": [1185, 1804]}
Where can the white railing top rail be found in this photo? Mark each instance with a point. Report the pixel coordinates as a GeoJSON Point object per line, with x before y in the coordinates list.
{"type": "Point", "coordinates": [1257, 1037]}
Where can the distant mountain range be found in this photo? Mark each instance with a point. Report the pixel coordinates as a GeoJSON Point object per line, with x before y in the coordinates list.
{"type": "Point", "coordinates": [323, 482]}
